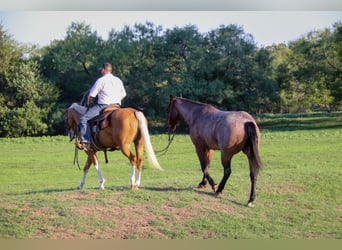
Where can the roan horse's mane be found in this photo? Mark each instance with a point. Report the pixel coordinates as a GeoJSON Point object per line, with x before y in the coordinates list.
{"type": "Point", "coordinates": [196, 102]}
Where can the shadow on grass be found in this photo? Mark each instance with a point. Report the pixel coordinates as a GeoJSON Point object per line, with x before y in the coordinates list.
{"type": "Point", "coordinates": [202, 191]}
{"type": "Point", "coordinates": [45, 191]}
{"type": "Point", "coordinates": [167, 189]}
{"type": "Point", "coordinates": [300, 122]}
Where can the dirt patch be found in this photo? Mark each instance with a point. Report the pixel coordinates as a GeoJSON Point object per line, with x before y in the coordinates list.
{"type": "Point", "coordinates": [209, 202]}
{"type": "Point", "coordinates": [79, 195]}
{"type": "Point", "coordinates": [123, 222]}
{"type": "Point", "coordinates": [283, 189]}
{"type": "Point", "coordinates": [142, 220]}
{"type": "Point", "coordinates": [74, 217]}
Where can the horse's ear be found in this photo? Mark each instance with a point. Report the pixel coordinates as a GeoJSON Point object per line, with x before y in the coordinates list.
{"type": "Point", "coordinates": [171, 98]}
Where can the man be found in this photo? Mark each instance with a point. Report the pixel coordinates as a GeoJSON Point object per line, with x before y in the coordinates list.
{"type": "Point", "coordinates": [109, 90]}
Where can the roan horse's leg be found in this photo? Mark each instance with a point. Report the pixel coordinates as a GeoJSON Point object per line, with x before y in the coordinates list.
{"type": "Point", "coordinates": [226, 172]}
{"type": "Point", "coordinates": [253, 176]}
{"type": "Point", "coordinates": [205, 156]}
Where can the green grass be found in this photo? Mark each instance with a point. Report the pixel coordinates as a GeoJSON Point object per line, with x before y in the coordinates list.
{"type": "Point", "coordinates": [299, 193]}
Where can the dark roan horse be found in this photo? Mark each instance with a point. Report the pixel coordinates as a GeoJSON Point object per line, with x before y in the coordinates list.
{"type": "Point", "coordinates": [125, 126]}
{"type": "Point", "coordinates": [212, 129]}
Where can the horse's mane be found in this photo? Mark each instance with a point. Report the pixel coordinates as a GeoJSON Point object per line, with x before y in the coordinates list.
{"type": "Point", "coordinates": [79, 108]}
{"type": "Point", "coordinates": [196, 102]}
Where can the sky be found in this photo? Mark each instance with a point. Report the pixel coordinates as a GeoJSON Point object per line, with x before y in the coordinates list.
{"type": "Point", "coordinates": [267, 27]}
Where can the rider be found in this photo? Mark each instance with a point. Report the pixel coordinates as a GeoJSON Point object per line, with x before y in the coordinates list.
{"type": "Point", "coordinates": [109, 90]}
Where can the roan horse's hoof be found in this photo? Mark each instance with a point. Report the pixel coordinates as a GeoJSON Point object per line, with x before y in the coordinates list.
{"type": "Point", "coordinates": [218, 194]}
{"type": "Point", "coordinates": [250, 204]}
{"type": "Point", "coordinates": [214, 188]}
{"type": "Point", "coordinates": [134, 187]}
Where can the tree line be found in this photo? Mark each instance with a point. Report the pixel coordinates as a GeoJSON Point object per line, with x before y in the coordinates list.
{"type": "Point", "coordinates": [224, 67]}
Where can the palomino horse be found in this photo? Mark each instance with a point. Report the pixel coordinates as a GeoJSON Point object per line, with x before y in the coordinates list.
{"type": "Point", "coordinates": [212, 129]}
{"type": "Point", "coordinates": [126, 125]}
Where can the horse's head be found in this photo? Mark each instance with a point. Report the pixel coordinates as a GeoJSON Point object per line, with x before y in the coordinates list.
{"type": "Point", "coordinates": [173, 116]}
{"type": "Point", "coordinates": [69, 124]}
{"type": "Point", "coordinates": [72, 119]}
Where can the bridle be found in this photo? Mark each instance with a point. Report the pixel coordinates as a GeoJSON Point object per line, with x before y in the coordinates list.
{"type": "Point", "coordinates": [71, 138]}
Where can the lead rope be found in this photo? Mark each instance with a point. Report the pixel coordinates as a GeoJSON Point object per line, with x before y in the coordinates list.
{"type": "Point", "coordinates": [164, 151]}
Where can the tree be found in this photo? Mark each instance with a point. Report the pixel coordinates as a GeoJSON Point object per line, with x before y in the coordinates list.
{"type": "Point", "coordinates": [26, 101]}
{"type": "Point", "coordinates": [306, 73]}
{"type": "Point", "coordinates": [73, 64]}
{"type": "Point", "coordinates": [183, 54]}
{"type": "Point", "coordinates": [332, 50]}
{"type": "Point", "coordinates": [235, 66]}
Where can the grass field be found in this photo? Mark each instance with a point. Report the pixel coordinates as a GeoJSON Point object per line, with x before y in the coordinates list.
{"type": "Point", "coordinates": [299, 193]}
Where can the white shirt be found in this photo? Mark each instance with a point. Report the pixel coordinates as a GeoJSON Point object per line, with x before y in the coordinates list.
{"type": "Point", "coordinates": [109, 90]}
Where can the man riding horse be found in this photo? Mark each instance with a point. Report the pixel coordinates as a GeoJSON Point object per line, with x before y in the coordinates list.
{"type": "Point", "coordinates": [109, 90]}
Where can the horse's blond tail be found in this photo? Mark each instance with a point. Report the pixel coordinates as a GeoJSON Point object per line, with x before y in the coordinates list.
{"type": "Point", "coordinates": [148, 146]}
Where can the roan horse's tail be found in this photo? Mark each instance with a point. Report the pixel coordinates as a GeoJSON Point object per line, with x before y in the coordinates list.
{"type": "Point", "coordinates": [148, 146]}
{"type": "Point", "coordinates": [252, 146]}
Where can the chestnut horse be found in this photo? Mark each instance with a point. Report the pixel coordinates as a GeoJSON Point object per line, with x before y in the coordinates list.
{"type": "Point", "coordinates": [212, 129]}
{"type": "Point", "coordinates": [126, 125]}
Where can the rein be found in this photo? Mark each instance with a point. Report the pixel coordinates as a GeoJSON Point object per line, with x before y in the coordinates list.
{"type": "Point", "coordinates": [76, 153]}
{"type": "Point", "coordinates": [76, 158]}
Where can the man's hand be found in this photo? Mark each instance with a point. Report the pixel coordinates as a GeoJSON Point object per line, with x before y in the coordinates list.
{"type": "Point", "coordinates": [90, 101]}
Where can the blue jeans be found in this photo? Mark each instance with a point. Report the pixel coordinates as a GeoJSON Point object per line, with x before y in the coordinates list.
{"type": "Point", "coordinates": [84, 128]}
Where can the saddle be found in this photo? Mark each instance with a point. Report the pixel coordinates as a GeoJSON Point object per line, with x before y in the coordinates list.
{"type": "Point", "coordinates": [102, 120]}
{"type": "Point", "coordinates": [98, 123]}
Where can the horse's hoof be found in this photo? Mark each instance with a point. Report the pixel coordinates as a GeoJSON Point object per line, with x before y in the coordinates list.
{"type": "Point", "coordinates": [218, 194]}
{"type": "Point", "coordinates": [102, 185]}
{"type": "Point", "coordinates": [214, 188]}
{"type": "Point", "coordinates": [201, 186]}
{"type": "Point", "coordinates": [134, 187]}
{"type": "Point", "coordinates": [250, 204]}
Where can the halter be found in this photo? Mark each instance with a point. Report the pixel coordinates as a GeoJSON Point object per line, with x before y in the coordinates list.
{"type": "Point", "coordinates": [170, 109]}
